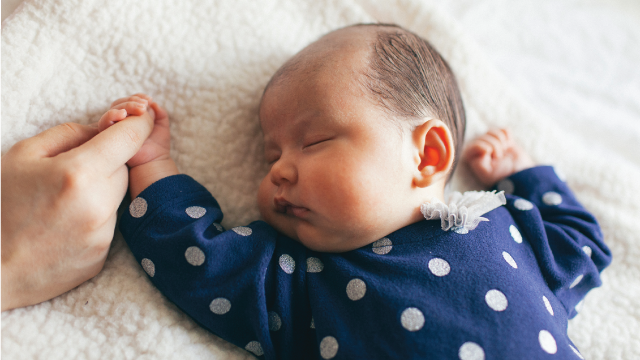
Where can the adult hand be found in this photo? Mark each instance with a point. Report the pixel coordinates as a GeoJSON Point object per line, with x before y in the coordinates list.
{"type": "Point", "coordinates": [60, 193]}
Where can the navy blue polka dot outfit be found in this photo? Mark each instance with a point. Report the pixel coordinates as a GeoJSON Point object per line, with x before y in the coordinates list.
{"type": "Point", "coordinates": [502, 291]}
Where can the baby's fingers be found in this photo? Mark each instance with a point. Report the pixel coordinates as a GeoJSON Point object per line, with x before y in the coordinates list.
{"type": "Point", "coordinates": [495, 142]}
{"type": "Point", "coordinates": [141, 98]}
{"type": "Point", "coordinates": [501, 134]}
{"type": "Point", "coordinates": [479, 155]}
{"type": "Point", "coordinates": [160, 114]}
{"type": "Point", "coordinates": [111, 117]}
{"type": "Point", "coordinates": [132, 107]}
{"type": "Point", "coordinates": [476, 148]}
{"type": "Point", "coordinates": [144, 96]}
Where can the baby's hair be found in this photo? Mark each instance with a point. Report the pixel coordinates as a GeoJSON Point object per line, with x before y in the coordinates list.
{"type": "Point", "coordinates": [409, 79]}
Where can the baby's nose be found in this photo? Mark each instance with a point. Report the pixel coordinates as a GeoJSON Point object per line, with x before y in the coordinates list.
{"type": "Point", "coordinates": [283, 171]}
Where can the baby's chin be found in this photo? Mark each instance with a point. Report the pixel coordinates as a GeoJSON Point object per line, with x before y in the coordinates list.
{"type": "Point", "coordinates": [280, 225]}
{"type": "Point", "coordinates": [316, 240]}
{"type": "Point", "coordinates": [312, 236]}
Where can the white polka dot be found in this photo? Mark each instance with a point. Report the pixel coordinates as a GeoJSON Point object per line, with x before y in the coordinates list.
{"type": "Point", "coordinates": [552, 198]}
{"type": "Point", "coordinates": [382, 246]}
{"type": "Point", "coordinates": [515, 234]}
{"type": "Point", "coordinates": [218, 227]}
{"type": "Point", "coordinates": [559, 174]}
{"type": "Point", "coordinates": [576, 281]}
{"type": "Point", "coordinates": [439, 267]}
{"type": "Point", "coordinates": [547, 304]}
{"type": "Point", "coordinates": [196, 212]}
{"type": "Point", "coordinates": [547, 342]}
{"type": "Point", "coordinates": [470, 351]}
{"type": "Point", "coordinates": [313, 324]}
{"type": "Point", "coordinates": [496, 300]}
{"type": "Point", "coordinates": [138, 207]}
{"type": "Point", "coordinates": [587, 250]}
{"type": "Point", "coordinates": [255, 348]}
{"type": "Point", "coordinates": [576, 351]}
{"type": "Point", "coordinates": [523, 205]}
{"type": "Point", "coordinates": [242, 230]}
{"type": "Point", "coordinates": [506, 185]}
{"type": "Point", "coordinates": [412, 319]}
{"type": "Point", "coordinates": [274, 321]}
{"type": "Point", "coordinates": [148, 266]}
{"type": "Point", "coordinates": [194, 256]}
{"type": "Point", "coordinates": [356, 289]}
{"type": "Point", "coordinates": [220, 306]}
{"type": "Point", "coordinates": [287, 264]}
{"type": "Point", "coordinates": [328, 347]}
{"type": "Point", "coordinates": [507, 257]}
{"type": "Point", "coordinates": [314, 265]}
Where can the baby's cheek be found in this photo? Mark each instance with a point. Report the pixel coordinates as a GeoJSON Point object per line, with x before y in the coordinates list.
{"type": "Point", "coordinates": [372, 199]}
{"type": "Point", "coordinates": [353, 198]}
{"type": "Point", "coordinates": [263, 197]}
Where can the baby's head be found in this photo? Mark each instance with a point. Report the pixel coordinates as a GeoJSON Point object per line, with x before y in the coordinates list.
{"type": "Point", "coordinates": [361, 127]}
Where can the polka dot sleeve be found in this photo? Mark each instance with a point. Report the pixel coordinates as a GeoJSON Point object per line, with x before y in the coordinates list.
{"type": "Point", "coordinates": [571, 250]}
{"type": "Point", "coordinates": [227, 280]}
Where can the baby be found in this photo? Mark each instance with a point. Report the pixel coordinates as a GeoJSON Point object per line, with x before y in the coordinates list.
{"type": "Point", "coordinates": [363, 129]}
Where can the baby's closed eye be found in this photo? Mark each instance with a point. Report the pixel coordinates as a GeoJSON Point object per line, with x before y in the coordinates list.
{"type": "Point", "coordinates": [316, 141]}
{"type": "Point", "coordinates": [271, 158]}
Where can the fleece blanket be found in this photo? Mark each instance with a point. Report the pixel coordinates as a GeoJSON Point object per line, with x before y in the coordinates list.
{"type": "Point", "coordinates": [208, 61]}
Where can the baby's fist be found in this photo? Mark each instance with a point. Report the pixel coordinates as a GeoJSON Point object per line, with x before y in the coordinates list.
{"type": "Point", "coordinates": [495, 155]}
{"type": "Point", "coordinates": [157, 145]}
{"type": "Point", "coordinates": [135, 105]}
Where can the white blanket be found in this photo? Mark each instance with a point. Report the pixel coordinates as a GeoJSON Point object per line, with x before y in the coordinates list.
{"type": "Point", "coordinates": [207, 63]}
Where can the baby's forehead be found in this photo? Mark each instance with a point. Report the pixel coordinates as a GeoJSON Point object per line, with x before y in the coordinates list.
{"type": "Point", "coordinates": [343, 49]}
{"type": "Point", "coordinates": [336, 65]}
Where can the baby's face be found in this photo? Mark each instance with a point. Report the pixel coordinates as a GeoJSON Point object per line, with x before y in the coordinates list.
{"type": "Point", "coordinates": [341, 171]}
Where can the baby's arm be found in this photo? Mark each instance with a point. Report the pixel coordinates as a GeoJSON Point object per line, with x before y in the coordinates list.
{"type": "Point", "coordinates": [153, 162]}
{"type": "Point", "coordinates": [566, 239]}
{"type": "Point", "coordinates": [495, 155]}
{"type": "Point", "coordinates": [232, 282]}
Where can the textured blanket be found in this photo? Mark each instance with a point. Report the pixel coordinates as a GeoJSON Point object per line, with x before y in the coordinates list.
{"type": "Point", "coordinates": [208, 61]}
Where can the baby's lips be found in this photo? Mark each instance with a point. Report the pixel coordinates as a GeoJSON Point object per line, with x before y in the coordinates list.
{"type": "Point", "coordinates": [280, 205]}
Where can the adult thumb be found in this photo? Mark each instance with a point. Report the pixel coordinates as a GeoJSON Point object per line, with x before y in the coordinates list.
{"type": "Point", "coordinates": [112, 148]}
{"type": "Point", "coordinates": [61, 138]}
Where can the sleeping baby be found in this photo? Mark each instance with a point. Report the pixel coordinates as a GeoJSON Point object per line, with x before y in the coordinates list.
{"type": "Point", "coordinates": [359, 255]}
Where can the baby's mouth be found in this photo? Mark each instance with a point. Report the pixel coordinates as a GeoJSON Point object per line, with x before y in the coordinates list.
{"type": "Point", "coordinates": [284, 207]}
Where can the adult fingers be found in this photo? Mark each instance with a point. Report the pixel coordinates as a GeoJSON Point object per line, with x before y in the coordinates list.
{"type": "Point", "coordinates": [112, 148]}
{"type": "Point", "coordinates": [59, 139]}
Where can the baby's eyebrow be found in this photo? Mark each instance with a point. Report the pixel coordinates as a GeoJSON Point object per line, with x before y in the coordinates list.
{"type": "Point", "coordinates": [269, 144]}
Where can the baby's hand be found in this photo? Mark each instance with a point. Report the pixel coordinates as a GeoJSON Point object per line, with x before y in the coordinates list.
{"type": "Point", "coordinates": [157, 145]}
{"type": "Point", "coordinates": [495, 155]}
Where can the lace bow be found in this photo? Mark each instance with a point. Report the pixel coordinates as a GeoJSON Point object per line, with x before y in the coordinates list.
{"type": "Point", "coordinates": [464, 210]}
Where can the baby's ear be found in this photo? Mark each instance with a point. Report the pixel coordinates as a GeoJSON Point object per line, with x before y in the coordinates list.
{"type": "Point", "coordinates": [434, 152]}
